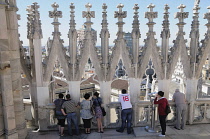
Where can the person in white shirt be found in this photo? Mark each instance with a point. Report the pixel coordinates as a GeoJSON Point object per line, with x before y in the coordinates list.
{"type": "Point", "coordinates": [126, 113]}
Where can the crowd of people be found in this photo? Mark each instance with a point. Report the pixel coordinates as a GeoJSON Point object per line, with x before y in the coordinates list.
{"type": "Point", "coordinates": [89, 108]}
{"type": "Point", "coordinates": [93, 108]}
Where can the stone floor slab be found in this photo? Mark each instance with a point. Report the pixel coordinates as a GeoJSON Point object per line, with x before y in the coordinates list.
{"type": "Point", "coordinates": [113, 134]}
{"type": "Point", "coordinates": [191, 132]}
{"type": "Point", "coordinates": [141, 132]}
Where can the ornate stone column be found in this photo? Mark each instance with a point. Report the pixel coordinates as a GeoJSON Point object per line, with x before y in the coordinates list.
{"type": "Point", "coordinates": [15, 68]}
{"type": "Point", "coordinates": [135, 38]}
{"type": "Point", "coordinates": [72, 42]}
{"type": "Point", "coordinates": [35, 35]}
{"type": "Point", "coordinates": [104, 40]}
{"type": "Point", "coordinates": [6, 81]}
{"type": "Point", "coordinates": [3, 41]}
{"type": "Point", "coordinates": [163, 84]}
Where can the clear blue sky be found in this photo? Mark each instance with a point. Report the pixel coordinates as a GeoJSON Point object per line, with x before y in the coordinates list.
{"type": "Point", "coordinates": [47, 27]}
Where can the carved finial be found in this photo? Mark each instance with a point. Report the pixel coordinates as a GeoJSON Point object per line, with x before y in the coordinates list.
{"type": "Point", "coordinates": [181, 15]}
{"type": "Point", "coordinates": [150, 7]}
{"type": "Point", "coordinates": [197, 2]}
{"type": "Point", "coordinates": [120, 15]}
{"type": "Point", "coordinates": [104, 6]}
{"type": "Point", "coordinates": [34, 24]}
{"type": "Point", "coordinates": [166, 9]}
{"type": "Point", "coordinates": [88, 6]}
{"type": "Point", "coordinates": [166, 21]}
{"type": "Point", "coordinates": [88, 15]}
{"type": "Point", "coordinates": [196, 8]}
{"type": "Point", "coordinates": [55, 13]}
{"type": "Point", "coordinates": [207, 16]}
{"type": "Point", "coordinates": [135, 21]}
{"type": "Point", "coordinates": [30, 28]}
{"type": "Point", "coordinates": [72, 21]}
{"type": "Point", "coordinates": [208, 8]}
{"type": "Point", "coordinates": [150, 15]}
{"type": "Point", "coordinates": [135, 8]}
{"type": "Point", "coordinates": [104, 15]}
{"type": "Point", "coordinates": [72, 7]}
{"type": "Point", "coordinates": [195, 23]}
{"type": "Point", "coordinates": [35, 6]}
{"type": "Point", "coordinates": [181, 7]}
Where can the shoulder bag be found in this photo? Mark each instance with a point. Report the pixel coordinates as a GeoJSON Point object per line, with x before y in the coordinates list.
{"type": "Point", "coordinates": [102, 109]}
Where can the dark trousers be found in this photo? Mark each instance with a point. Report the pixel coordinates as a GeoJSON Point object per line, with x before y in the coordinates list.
{"type": "Point", "coordinates": [87, 123]}
{"type": "Point", "coordinates": [162, 119]}
{"type": "Point", "coordinates": [61, 122]}
{"type": "Point", "coordinates": [126, 115]}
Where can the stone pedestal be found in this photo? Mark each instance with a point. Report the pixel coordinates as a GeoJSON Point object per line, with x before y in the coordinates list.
{"type": "Point", "coordinates": [8, 104]}
{"type": "Point", "coordinates": [74, 90]}
{"type": "Point", "coordinates": [191, 89]}
{"type": "Point", "coordinates": [191, 95]}
{"type": "Point", "coordinates": [163, 85]}
{"type": "Point", "coordinates": [34, 103]}
{"type": "Point", "coordinates": [43, 113]}
{"type": "Point", "coordinates": [105, 94]}
{"type": "Point", "coordinates": [134, 89]}
{"type": "Point", "coordinates": [43, 96]}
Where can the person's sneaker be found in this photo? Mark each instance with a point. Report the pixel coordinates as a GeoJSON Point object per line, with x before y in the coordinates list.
{"type": "Point", "coordinates": [162, 135]}
{"type": "Point", "coordinates": [129, 132]}
{"type": "Point", "coordinates": [119, 130]}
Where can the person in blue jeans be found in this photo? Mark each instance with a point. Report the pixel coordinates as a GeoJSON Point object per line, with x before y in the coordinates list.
{"type": "Point", "coordinates": [70, 106]}
{"type": "Point", "coordinates": [126, 113]}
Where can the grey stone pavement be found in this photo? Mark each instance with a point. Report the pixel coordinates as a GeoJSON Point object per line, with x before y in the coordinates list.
{"type": "Point", "coordinates": [201, 131]}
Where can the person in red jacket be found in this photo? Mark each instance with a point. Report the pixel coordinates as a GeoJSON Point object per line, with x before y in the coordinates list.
{"type": "Point", "coordinates": [162, 102]}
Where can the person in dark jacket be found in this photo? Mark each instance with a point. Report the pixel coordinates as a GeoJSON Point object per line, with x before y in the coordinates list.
{"type": "Point", "coordinates": [162, 102]}
{"type": "Point", "coordinates": [59, 115]}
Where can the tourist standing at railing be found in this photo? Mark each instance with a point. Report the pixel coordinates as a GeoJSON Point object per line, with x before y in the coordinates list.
{"type": "Point", "coordinates": [97, 104]}
{"type": "Point", "coordinates": [58, 113]}
{"type": "Point", "coordinates": [126, 113]}
{"type": "Point", "coordinates": [181, 109]}
{"type": "Point", "coordinates": [86, 113]}
{"type": "Point", "coordinates": [71, 107]}
{"type": "Point", "coordinates": [162, 102]}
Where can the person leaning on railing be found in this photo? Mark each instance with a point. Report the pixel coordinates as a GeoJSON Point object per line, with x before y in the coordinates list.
{"type": "Point", "coordinates": [181, 109]}
{"type": "Point", "coordinates": [126, 113]}
{"type": "Point", "coordinates": [71, 106]}
{"type": "Point", "coordinates": [59, 115]}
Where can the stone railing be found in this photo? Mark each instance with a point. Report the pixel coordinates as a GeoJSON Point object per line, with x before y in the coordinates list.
{"type": "Point", "coordinates": [197, 112]}
{"type": "Point", "coordinates": [141, 114]}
